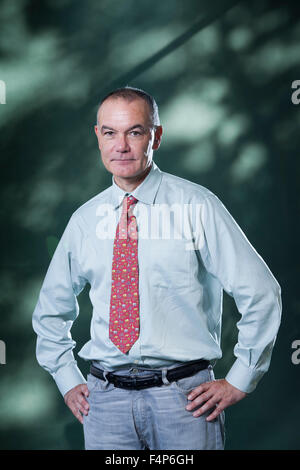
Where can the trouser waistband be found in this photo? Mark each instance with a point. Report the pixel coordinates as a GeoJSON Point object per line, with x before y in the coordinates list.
{"type": "Point", "coordinates": [154, 379]}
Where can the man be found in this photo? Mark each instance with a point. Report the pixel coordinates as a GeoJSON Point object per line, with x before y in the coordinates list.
{"type": "Point", "coordinates": [157, 251]}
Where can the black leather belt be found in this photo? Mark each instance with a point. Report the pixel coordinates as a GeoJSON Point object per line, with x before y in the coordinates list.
{"type": "Point", "coordinates": [153, 380]}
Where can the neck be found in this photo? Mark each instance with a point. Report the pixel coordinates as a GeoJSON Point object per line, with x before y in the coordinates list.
{"type": "Point", "coordinates": [129, 184]}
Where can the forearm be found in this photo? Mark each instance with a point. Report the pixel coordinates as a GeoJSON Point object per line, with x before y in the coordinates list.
{"type": "Point", "coordinates": [229, 256]}
{"type": "Point", "coordinates": [258, 329]}
{"type": "Point", "coordinates": [56, 310]}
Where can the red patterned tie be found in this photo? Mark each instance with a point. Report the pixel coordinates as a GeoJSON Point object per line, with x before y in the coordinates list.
{"type": "Point", "coordinates": [124, 301]}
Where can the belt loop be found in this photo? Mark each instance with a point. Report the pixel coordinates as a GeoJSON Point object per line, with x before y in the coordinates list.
{"type": "Point", "coordinates": [164, 376]}
{"type": "Point", "coordinates": [105, 372]}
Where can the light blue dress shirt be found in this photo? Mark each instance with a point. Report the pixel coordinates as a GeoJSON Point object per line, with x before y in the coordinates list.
{"type": "Point", "coordinates": [190, 249]}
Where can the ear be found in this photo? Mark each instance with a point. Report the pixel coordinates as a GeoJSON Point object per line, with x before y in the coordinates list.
{"type": "Point", "coordinates": [97, 132]}
{"type": "Point", "coordinates": [157, 137]}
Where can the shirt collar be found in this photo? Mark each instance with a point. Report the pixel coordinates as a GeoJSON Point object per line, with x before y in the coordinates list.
{"type": "Point", "coordinates": [144, 192]}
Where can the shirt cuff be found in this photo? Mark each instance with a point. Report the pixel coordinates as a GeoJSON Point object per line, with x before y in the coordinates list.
{"type": "Point", "coordinates": [244, 378]}
{"type": "Point", "coordinates": [68, 377]}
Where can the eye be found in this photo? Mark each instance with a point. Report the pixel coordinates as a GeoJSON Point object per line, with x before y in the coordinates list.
{"type": "Point", "coordinates": [136, 133]}
{"type": "Point", "coordinates": [108, 133]}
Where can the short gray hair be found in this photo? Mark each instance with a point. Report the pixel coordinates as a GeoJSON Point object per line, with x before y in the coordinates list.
{"type": "Point", "coordinates": [130, 93]}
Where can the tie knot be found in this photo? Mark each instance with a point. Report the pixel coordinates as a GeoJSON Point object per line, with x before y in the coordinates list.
{"type": "Point", "coordinates": [130, 200]}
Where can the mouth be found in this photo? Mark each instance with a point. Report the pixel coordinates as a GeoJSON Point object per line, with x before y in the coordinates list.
{"type": "Point", "coordinates": [120, 160]}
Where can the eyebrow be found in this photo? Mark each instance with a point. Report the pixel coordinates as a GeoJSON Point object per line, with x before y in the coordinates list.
{"type": "Point", "coordinates": [139, 126]}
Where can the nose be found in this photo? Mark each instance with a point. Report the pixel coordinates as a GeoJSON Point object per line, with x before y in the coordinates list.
{"type": "Point", "coordinates": [122, 145]}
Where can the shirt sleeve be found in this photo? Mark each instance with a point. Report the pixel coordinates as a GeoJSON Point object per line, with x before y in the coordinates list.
{"type": "Point", "coordinates": [243, 274]}
{"type": "Point", "coordinates": [57, 308]}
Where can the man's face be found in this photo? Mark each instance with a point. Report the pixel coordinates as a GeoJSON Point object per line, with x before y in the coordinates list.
{"type": "Point", "coordinates": [126, 137]}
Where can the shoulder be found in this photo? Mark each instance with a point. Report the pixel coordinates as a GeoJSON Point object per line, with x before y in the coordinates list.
{"type": "Point", "coordinates": [189, 189]}
{"type": "Point", "coordinates": [85, 213]}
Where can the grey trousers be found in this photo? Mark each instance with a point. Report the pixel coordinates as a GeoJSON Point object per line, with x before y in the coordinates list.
{"type": "Point", "coordinates": [154, 418]}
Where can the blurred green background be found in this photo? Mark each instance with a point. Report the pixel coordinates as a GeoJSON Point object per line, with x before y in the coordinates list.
{"type": "Point", "coordinates": [221, 72]}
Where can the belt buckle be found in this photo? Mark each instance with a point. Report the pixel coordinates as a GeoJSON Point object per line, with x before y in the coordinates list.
{"type": "Point", "coordinates": [150, 381]}
{"type": "Point", "coordinates": [127, 383]}
{"type": "Point", "coordinates": [135, 383]}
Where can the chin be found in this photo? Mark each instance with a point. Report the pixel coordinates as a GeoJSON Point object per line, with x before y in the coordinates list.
{"type": "Point", "coordinates": [122, 168]}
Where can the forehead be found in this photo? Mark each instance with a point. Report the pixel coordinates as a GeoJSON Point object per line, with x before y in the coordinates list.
{"type": "Point", "coordinates": [121, 109]}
